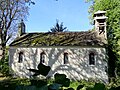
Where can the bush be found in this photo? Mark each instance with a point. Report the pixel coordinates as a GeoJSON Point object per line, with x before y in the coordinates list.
{"type": "Point", "coordinates": [61, 79]}
{"type": "Point", "coordinates": [114, 83]}
{"type": "Point", "coordinates": [74, 84]}
{"type": "Point", "coordinates": [4, 66]}
{"type": "Point", "coordinates": [38, 83]}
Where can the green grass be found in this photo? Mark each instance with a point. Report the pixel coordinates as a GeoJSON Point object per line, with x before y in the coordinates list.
{"type": "Point", "coordinates": [74, 84]}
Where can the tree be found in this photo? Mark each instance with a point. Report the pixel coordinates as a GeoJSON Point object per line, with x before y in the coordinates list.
{"type": "Point", "coordinates": [113, 30]}
{"type": "Point", "coordinates": [11, 11]}
{"type": "Point", "coordinates": [58, 27]}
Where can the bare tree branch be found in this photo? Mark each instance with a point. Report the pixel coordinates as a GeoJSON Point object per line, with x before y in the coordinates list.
{"type": "Point", "coordinates": [11, 11]}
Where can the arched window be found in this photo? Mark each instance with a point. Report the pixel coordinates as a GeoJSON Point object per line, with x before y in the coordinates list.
{"type": "Point", "coordinates": [20, 57]}
{"type": "Point", "coordinates": [91, 59]}
{"type": "Point", "coordinates": [42, 57]}
{"type": "Point", "coordinates": [65, 58]}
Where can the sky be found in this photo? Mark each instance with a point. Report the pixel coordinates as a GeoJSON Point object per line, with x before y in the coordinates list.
{"type": "Point", "coordinates": [73, 13]}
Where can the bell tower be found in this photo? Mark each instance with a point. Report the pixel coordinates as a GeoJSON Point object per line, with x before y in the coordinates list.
{"type": "Point", "coordinates": [100, 24]}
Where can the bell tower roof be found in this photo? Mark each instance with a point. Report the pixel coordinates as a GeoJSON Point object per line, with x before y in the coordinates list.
{"type": "Point", "coordinates": [98, 12]}
{"type": "Point", "coordinates": [100, 15]}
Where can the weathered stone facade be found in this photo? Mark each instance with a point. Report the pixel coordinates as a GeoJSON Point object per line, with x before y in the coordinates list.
{"type": "Point", "coordinates": [77, 67]}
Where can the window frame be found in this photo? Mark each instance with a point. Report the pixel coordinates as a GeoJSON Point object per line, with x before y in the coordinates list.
{"type": "Point", "coordinates": [92, 62]}
{"type": "Point", "coordinates": [20, 57]}
{"type": "Point", "coordinates": [42, 57]}
{"type": "Point", "coordinates": [65, 58]}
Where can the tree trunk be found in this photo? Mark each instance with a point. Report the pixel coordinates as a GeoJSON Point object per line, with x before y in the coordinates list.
{"type": "Point", "coordinates": [3, 52]}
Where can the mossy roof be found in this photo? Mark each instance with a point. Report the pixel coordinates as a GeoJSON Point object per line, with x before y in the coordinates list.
{"type": "Point", "coordinates": [87, 38]}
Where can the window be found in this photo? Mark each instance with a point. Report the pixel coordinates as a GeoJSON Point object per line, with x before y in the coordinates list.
{"type": "Point", "coordinates": [91, 59]}
{"type": "Point", "coordinates": [20, 59]}
{"type": "Point", "coordinates": [65, 58]}
{"type": "Point", "coordinates": [42, 57]}
{"type": "Point", "coordinates": [101, 30]}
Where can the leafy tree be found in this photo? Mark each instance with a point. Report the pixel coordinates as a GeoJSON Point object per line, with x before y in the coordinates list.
{"type": "Point", "coordinates": [58, 27]}
{"type": "Point", "coordinates": [113, 30]}
{"type": "Point", "coordinates": [11, 11]}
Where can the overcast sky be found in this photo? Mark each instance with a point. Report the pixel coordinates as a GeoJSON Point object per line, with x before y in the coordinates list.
{"type": "Point", "coordinates": [73, 14]}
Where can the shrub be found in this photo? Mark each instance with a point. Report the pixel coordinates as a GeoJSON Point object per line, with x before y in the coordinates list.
{"type": "Point", "coordinates": [38, 83]}
{"type": "Point", "coordinates": [4, 66]}
{"type": "Point", "coordinates": [61, 79]}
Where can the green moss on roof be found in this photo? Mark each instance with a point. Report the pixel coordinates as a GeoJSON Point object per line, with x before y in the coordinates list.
{"type": "Point", "coordinates": [57, 39]}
